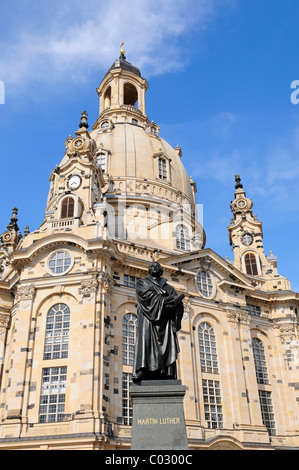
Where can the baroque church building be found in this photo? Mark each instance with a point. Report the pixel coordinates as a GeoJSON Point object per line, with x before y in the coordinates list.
{"type": "Point", "coordinates": [119, 199]}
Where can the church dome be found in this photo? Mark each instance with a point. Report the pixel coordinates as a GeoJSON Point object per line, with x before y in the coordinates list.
{"type": "Point", "coordinates": [135, 152]}
{"type": "Point", "coordinates": [137, 163]}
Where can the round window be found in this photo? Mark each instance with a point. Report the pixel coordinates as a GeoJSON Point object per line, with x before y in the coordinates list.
{"type": "Point", "coordinates": [247, 239]}
{"type": "Point", "coordinates": [60, 263]}
{"type": "Point", "coordinates": [204, 283]}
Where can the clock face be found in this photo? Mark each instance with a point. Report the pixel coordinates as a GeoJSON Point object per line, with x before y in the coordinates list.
{"type": "Point", "coordinates": [247, 239]}
{"type": "Point", "coordinates": [74, 182]}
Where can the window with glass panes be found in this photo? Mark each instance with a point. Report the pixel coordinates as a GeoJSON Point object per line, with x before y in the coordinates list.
{"type": "Point", "coordinates": [267, 411]}
{"type": "Point", "coordinates": [260, 362]}
{"type": "Point", "coordinates": [129, 281]}
{"type": "Point", "coordinates": [212, 404]}
{"type": "Point", "coordinates": [57, 332]}
{"type": "Point", "coordinates": [251, 264]}
{"type": "Point", "coordinates": [60, 262]}
{"type": "Point", "coordinates": [127, 409]}
{"type": "Point", "coordinates": [182, 238]}
{"type": "Point", "coordinates": [101, 161]}
{"type": "Point", "coordinates": [204, 283]}
{"type": "Point", "coordinates": [67, 208]}
{"type": "Point", "coordinates": [207, 349]}
{"type": "Point", "coordinates": [254, 310]}
{"type": "Point", "coordinates": [162, 169]}
{"type": "Point", "coordinates": [129, 329]}
{"type": "Point", "coordinates": [52, 400]}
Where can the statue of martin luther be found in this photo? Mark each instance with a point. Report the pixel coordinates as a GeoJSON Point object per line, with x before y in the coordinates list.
{"type": "Point", "coordinates": [160, 311]}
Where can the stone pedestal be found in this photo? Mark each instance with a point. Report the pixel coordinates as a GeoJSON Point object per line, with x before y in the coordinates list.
{"type": "Point", "coordinates": [158, 415]}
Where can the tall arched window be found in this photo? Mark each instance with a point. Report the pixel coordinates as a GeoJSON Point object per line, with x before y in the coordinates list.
{"type": "Point", "coordinates": [182, 238]}
{"type": "Point", "coordinates": [129, 338]}
{"type": "Point", "coordinates": [57, 332]}
{"type": "Point", "coordinates": [207, 348]}
{"type": "Point", "coordinates": [107, 98]}
{"type": "Point", "coordinates": [251, 264]}
{"type": "Point", "coordinates": [265, 393]}
{"type": "Point", "coordinates": [210, 379]}
{"type": "Point", "coordinates": [67, 208]}
{"type": "Point", "coordinates": [260, 362]}
{"type": "Point", "coordinates": [129, 330]}
{"type": "Point", "coordinates": [130, 94]}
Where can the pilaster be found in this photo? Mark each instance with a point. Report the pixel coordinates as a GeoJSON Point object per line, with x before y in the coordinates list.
{"type": "Point", "coordinates": [18, 365]}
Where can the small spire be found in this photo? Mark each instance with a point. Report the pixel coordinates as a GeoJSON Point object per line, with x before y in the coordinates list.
{"type": "Point", "coordinates": [14, 219]}
{"type": "Point", "coordinates": [238, 182]}
{"type": "Point", "coordinates": [122, 51]}
{"type": "Point", "coordinates": [26, 231]}
{"type": "Point", "coordinates": [83, 122]}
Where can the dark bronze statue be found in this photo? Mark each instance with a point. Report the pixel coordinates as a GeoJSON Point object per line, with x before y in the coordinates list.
{"type": "Point", "coordinates": [160, 311]}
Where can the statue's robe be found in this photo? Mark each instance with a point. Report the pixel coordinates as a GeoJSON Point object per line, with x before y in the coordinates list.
{"type": "Point", "coordinates": [157, 346]}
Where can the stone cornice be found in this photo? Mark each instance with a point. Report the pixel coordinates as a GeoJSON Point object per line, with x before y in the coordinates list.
{"type": "Point", "coordinates": [21, 258]}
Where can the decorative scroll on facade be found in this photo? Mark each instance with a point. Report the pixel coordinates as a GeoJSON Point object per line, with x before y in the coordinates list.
{"type": "Point", "coordinates": [88, 287]}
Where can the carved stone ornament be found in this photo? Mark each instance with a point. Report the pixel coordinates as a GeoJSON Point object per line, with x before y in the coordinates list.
{"type": "Point", "coordinates": [244, 318]}
{"type": "Point", "coordinates": [25, 293]}
{"type": "Point", "coordinates": [287, 331]}
{"type": "Point", "coordinates": [106, 281]}
{"type": "Point", "coordinates": [88, 287]}
{"type": "Point", "coordinates": [4, 322]}
{"type": "Point", "coordinates": [187, 309]}
{"type": "Point", "coordinates": [238, 317]}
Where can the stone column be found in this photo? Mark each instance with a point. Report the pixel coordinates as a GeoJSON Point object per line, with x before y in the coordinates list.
{"type": "Point", "coordinates": [100, 353]}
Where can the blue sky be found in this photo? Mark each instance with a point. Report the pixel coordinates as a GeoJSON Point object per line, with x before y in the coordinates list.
{"type": "Point", "coordinates": [219, 73]}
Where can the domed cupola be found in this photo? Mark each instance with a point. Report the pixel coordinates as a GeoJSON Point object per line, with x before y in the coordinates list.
{"type": "Point", "coordinates": [122, 93]}
{"type": "Point", "coordinates": [124, 64]}
{"type": "Point", "coordinates": [146, 183]}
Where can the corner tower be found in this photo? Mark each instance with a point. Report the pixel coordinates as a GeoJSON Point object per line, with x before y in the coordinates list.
{"type": "Point", "coordinates": [246, 239]}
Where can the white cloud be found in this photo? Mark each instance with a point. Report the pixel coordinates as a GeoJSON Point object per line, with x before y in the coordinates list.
{"type": "Point", "coordinates": [69, 39]}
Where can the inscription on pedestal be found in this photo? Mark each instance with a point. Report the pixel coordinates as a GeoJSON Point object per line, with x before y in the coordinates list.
{"type": "Point", "coordinates": [158, 416]}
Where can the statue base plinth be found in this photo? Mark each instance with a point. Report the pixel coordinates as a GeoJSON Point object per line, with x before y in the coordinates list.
{"type": "Point", "coordinates": [158, 415]}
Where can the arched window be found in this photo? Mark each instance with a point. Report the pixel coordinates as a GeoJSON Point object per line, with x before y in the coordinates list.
{"type": "Point", "coordinates": [57, 332]}
{"type": "Point", "coordinates": [107, 98]}
{"type": "Point", "coordinates": [260, 362]}
{"type": "Point", "coordinates": [130, 94]}
{"type": "Point", "coordinates": [210, 382]}
{"type": "Point", "coordinates": [207, 349]}
{"type": "Point", "coordinates": [129, 330]}
{"type": "Point", "coordinates": [67, 208]}
{"type": "Point", "coordinates": [182, 238]}
{"type": "Point", "coordinates": [251, 264]}
{"type": "Point", "coordinates": [129, 337]}
{"type": "Point", "coordinates": [265, 395]}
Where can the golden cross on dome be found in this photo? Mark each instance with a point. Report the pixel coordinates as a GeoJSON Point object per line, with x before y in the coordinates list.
{"type": "Point", "coordinates": [122, 50]}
